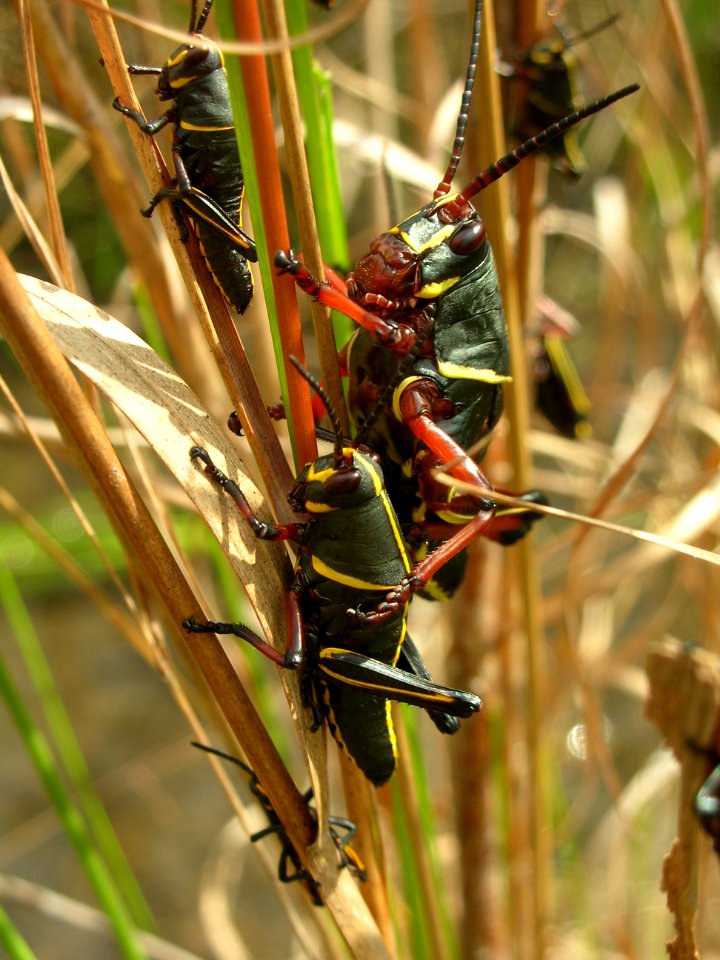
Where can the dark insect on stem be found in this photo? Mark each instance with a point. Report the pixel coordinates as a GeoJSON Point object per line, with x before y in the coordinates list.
{"type": "Point", "coordinates": [347, 604]}
{"type": "Point", "coordinates": [435, 267]}
{"type": "Point", "coordinates": [209, 182]}
{"type": "Point", "coordinates": [549, 70]}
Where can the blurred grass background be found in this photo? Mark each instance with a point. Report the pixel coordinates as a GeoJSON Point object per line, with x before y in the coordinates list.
{"type": "Point", "coordinates": [629, 251]}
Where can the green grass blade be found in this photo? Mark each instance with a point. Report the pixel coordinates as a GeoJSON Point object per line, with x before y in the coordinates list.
{"type": "Point", "coordinates": [429, 829]}
{"type": "Point", "coordinates": [314, 90]}
{"type": "Point", "coordinates": [70, 752]}
{"type": "Point", "coordinates": [13, 941]}
{"type": "Point", "coordinates": [412, 899]}
{"type": "Point", "coordinates": [70, 816]}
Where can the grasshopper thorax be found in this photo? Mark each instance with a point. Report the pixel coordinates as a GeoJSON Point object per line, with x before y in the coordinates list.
{"type": "Point", "coordinates": [337, 483]}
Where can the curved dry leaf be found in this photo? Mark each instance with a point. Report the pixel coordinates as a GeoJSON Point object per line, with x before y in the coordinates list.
{"type": "Point", "coordinates": [340, 21]}
{"type": "Point", "coordinates": [167, 413]}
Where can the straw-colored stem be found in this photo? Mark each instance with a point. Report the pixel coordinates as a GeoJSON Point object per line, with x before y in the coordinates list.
{"type": "Point", "coordinates": [522, 562]}
{"type": "Point", "coordinates": [300, 183]}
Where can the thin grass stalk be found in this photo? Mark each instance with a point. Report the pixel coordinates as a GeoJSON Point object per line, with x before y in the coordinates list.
{"type": "Point", "coordinates": [531, 193]}
{"type": "Point", "coordinates": [496, 212]}
{"type": "Point", "coordinates": [360, 801]}
{"type": "Point", "coordinates": [248, 26]}
{"type": "Point", "coordinates": [72, 820]}
{"type": "Point", "coordinates": [410, 923]}
{"type": "Point", "coordinates": [28, 225]}
{"type": "Point", "coordinates": [429, 76]}
{"type": "Point", "coordinates": [57, 231]}
{"type": "Point", "coordinates": [358, 808]}
{"type": "Point", "coordinates": [531, 176]}
{"type": "Point", "coordinates": [314, 91]}
{"type": "Point", "coordinates": [472, 766]}
{"type": "Point", "coordinates": [315, 98]}
{"type": "Point", "coordinates": [282, 66]}
{"type": "Point", "coordinates": [249, 87]}
{"type": "Point", "coordinates": [416, 817]}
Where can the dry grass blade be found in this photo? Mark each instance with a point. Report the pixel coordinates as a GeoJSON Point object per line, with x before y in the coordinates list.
{"type": "Point", "coordinates": [30, 228]}
{"type": "Point", "coordinates": [68, 910]}
{"type": "Point", "coordinates": [57, 232]}
{"type": "Point", "coordinates": [700, 514]}
{"type": "Point", "coordinates": [523, 576]}
{"type": "Point", "coordinates": [339, 22]}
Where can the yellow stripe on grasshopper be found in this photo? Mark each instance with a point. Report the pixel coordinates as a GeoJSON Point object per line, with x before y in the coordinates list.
{"type": "Point", "coordinates": [390, 691]}
{"type": "Point", "coordinates": [325, 570]}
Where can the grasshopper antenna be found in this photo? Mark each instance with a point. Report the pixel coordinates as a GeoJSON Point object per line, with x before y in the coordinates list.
{"type": "Point", "coordinates": [320, 391]}
{"type": "Point", "coordinates": [444, 186]}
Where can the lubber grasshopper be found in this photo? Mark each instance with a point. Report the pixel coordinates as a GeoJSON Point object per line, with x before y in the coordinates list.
{"type": "Point", "coordinates": [549, 70]}
{"type": "Point", "coordinates": [436, 267]}
{"type": "Point", "coordinates": [208, 177]}
{"type": "Point", "coordinates": [351, 557]}
{"type": "Point", "coordinates": [290, 866]}
{"type": "Point", "coordinates": [559, 393]}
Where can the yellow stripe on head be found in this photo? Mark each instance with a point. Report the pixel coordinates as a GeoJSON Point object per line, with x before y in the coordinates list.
{"type": "Point", "coordinates": [438, 237]}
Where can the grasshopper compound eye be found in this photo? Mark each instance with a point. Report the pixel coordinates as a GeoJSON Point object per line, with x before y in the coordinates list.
{"type": "Point", "coordinates": [342, 482]}
{"type": "Point", "coordinates": [468, 238]}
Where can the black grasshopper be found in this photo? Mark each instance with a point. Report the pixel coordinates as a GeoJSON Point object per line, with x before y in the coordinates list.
{"type": "Point", "coordinates": [549, 70]}
{"type": "Point", "coordinates": [559, 392]}
{"type": "Point", "coordinates": [352, 644]}
{"type": "Point", "coordinates": [290, 866]}
{"type": "Point", "coordinates": [209, 181]}
{"type": "Point", "coordinates": [436, 269]}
